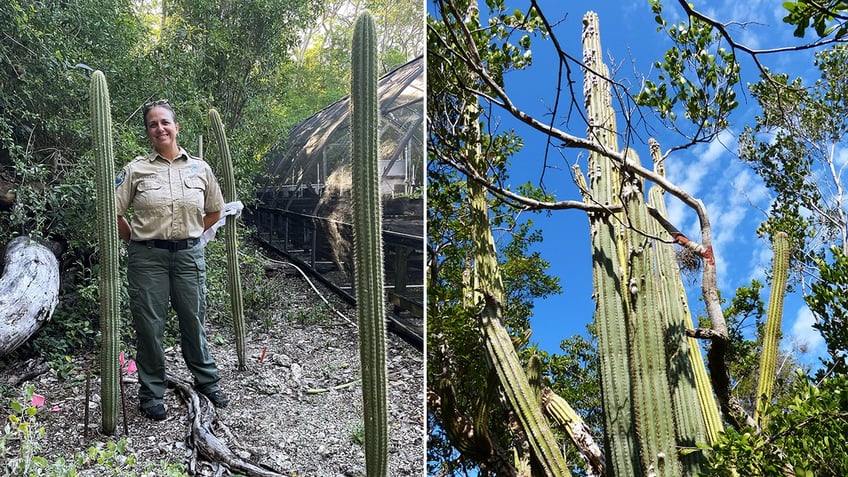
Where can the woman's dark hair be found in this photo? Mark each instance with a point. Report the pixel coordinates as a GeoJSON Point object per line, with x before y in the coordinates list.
{"type": "Point", "coordinates": [146, 107]}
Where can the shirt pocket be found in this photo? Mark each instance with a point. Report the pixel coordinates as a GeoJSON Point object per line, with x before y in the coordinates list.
{"type": "Point", "coordinates": [149, 194]}
{"type": "Point", "coordinates": [194, 193]}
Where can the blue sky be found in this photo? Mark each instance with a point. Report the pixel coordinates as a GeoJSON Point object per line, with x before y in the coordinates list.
{"type": "Point", "coordinates": [735, 197]}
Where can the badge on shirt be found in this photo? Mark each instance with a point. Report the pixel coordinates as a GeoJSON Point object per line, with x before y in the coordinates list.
{"type": "Point", "coordinates": [120, 178]}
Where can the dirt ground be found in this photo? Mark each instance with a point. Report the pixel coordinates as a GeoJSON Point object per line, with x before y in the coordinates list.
{"type": "Point", "coordinates": [283, 412]}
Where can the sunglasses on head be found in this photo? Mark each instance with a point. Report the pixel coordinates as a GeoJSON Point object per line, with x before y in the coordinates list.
{"type": "Point", "coordinates": [152, 104]}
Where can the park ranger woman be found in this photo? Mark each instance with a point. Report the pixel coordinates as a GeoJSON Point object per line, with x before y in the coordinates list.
{"type": "Point", "coordinates": [174, 197]}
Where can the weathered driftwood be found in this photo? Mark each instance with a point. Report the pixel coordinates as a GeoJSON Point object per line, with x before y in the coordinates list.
{"type": "Point", "coordinates": [29, 291]}
{"type": "Point", "coordinates": [202, 415]}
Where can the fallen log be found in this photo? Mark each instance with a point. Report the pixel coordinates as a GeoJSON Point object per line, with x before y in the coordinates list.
{"type": "Point", "coordinates": [202, 415]}
{"type": "Point", "coordinates": [29, 291]}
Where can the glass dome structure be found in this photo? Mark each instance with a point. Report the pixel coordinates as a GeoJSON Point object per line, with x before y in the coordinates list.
{"type": "Point", "coordinates": [304, 207]}
{"type": "Point", "coordinates": [320, 145]}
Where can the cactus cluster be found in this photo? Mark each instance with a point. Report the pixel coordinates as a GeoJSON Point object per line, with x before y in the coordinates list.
{"type": "Point", "coordinates": [108, 241]}
{"type": "Point", "coordinates": [650, 371]}
{"type": "Point", "coordinates": [368, 242]}
{"type": "Point", "coordinates": [231, 233]}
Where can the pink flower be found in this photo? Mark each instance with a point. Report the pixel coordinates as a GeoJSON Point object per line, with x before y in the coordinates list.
{"type": "Point", "coordinates": [56, 409]}
{"type": "Point", "coordinates": [130, 364]}
{"type": "Point", "coordinates": [37, 400]}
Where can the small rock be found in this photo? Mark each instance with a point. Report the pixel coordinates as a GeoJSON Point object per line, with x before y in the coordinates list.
{"type": "Point", "coordinates": [296, 374]}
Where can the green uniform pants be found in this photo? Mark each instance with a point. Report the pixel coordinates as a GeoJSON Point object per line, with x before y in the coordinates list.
{"type": "Point", "coordinates": [159, 279]}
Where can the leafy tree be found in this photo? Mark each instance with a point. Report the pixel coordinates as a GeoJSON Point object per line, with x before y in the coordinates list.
{"type": "Point", "coordinates": [829, 301]}
{"type": "Point", "coordinates": [805, 435]}
{"type": "Point", "coordinates": [797, 146]}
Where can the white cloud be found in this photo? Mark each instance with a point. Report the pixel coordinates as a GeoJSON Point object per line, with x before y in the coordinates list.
{"type": "Point", "coordinates": [840, 158]}
{"type": "Point", "coordinates": [803, 333]}
{"type": "Point", "coordinates": [751, 188]}
{"type": "Point", "coordinates": [761, 259]}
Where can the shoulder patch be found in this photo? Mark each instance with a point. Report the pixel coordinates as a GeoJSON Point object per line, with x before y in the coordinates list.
{"type": "Point", "coordinates": [120, 178]}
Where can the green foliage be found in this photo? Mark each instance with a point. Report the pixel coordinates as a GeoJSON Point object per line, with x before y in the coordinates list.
{"type": "Point", "coordinates": [20, 448]}
{"type": "Point", "coordinates": [829, 301]}
{"type": "Point", "coordinates": [357, 434]}
{"type": "Point", "coordinates": [311, 315]}
{"type": "Point", "coordinates": [805, 432]}
{"type": "Point", "coordinates": [826, 18]}
{"type": "Point", "coordinates": [791, 147]}
{"type": "Point", "coordinates": [696, 80]}
{"type": "Point", "coordinates": [453, 325]}
{"type": "Point", "coordinates": [259, 296]}
{"type": "Point", "coordinates": [19, 441]}
{"type": "Point", "coordinates": [198, 56]}
{"type": "Point", "coordinates": [457, 370]}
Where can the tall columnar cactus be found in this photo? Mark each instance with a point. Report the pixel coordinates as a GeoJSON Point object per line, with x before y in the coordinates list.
{"type": "Point", "coordinates": [231, 234]}
{"type": "Point", "coordinates": [649, 393]}
{"type": "Point", "coordinates": [486, 294]}
{"type": "Point", "coordinates": [771, 334]}
{"type": "Point", "coordinates": [607, 239]}
{"type": "Point", "coordinates": [367, 242]}
{"type": "Point", "coordinates": [107, 236]}
{"type": "Point", "coordinates": [685, 355]}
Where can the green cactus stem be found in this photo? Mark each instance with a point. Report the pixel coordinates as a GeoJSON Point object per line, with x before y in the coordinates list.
{"type": "Point", "coordinates": [606, 238]}
{"type": "Point", "coordinates": [107, 236]}
{"type": "Point", "coordinates": [562, 412]}
{"type": "Point", "coordinates": [771, 334]}
{"type": "Point", "coordinates": [654, 411]}
{"type": "Point", "coordinates": [534, 376]}
{"type": "Point", "coordinates": [231, 234]}
{"type": "Point", "coordinates": [367, 241]}
{"type": "Point", "coordinates": [487, 295]}
{"type": "Point", "coordinates": [688, 400]}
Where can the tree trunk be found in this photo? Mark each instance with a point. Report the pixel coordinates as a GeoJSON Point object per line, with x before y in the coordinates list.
{"type": "Point", "coordinates": [29, 291]}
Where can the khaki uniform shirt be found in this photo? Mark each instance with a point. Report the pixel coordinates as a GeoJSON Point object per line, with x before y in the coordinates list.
{"type": "Point", "coordinates": [168, 200]}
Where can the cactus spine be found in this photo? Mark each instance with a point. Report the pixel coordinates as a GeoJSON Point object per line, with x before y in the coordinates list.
{"type": "Point", "coordinates": [649, 394]}
{"type": "Point", "coordinates": [107, 236]}
{"type": "Point", "coordinates": [231, 233]}
{"type": "Point", "coordinates": [367, 241]}
{"type": "Point", "coordinates": [771, 335]}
